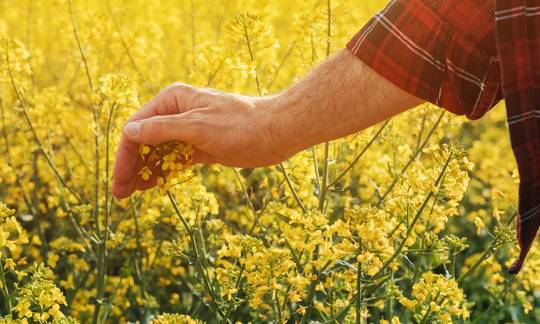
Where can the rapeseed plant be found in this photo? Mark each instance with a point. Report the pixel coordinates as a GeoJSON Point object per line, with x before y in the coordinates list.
{"type": "Point", "coordinates": [409, 221]}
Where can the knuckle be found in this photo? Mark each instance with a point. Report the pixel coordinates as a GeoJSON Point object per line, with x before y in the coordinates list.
{"type": "Point", "coordinates": [176, 89]}
{"type": "Point", "coordinates": [213, 92]}
{"type": "Point", "coordinates": [179, 87]}
{"type": "Point", "coordinates": [176, 97]}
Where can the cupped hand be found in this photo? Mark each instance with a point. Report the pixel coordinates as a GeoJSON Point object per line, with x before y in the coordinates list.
{"type": "Point", "coordinates": [223, 128]}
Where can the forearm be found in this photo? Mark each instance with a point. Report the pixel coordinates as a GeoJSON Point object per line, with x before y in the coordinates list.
{"type": "Point", "coordinates": [339, 97]}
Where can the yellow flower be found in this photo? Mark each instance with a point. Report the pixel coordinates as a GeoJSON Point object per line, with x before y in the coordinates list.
{"type": "Point", "coordinates": [23, 308]}
{"type": "Point", "coordinates": [410, 304]}
{"type": "Point", "coordinates": [41, 317]}
{"type": "Point", "coordinates": [395, 320]}
{"type": "Point", "coordinates": [9, 264]}
{"type": "Point", "coordinates": [55, 312]}
{"type": "Point", "coordinates": [143, 151]}
{"type": "Point", "coordinates": [145, 173]}
{"type": "Point", "coordinates": [479, 225]}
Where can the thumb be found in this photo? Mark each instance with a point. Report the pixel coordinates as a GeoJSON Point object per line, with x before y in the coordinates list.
{"type": "Point", "coordinates": [159, 129]}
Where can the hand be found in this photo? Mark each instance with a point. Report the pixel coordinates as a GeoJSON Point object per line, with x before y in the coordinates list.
{"type": "Point", "coordinates": [223, 128]}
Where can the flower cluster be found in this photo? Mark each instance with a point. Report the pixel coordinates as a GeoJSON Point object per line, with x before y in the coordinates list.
{"type": "Point", "coordinates": [436, 298]}
{"type": "Point", "coordinates": [33, 295]}
{"type": "Point", "coordinates": [11, 232]}
{"type": "Point", "coordinates": [174, 319]}
{"type": "Point", "coordinates": [39, 298]}
{"type": "Point", "coordinates": [170, 161]}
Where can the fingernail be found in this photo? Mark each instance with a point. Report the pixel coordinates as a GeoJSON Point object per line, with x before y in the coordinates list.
{"type": "Point", "coordinates": [132, 129]}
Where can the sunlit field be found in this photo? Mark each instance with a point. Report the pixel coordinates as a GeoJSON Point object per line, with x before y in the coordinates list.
{"type": "Point", "coordinates": [411, 221]}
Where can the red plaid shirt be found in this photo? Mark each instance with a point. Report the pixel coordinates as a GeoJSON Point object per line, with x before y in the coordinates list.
{"type": "Point", "coordinates": [465, 56]}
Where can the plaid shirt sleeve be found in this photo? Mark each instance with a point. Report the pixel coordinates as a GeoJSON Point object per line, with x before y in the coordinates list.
{"type": "Point", "coordinates": [464, 55]}
{"type": "Point", "coordinates": [518, 41]}
{"type": "Point", "coordinates": [425, 48]}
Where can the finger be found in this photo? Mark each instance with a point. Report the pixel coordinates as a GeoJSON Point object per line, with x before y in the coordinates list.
{"type": "Point", "coordinates": [201, 157]}
{"type": "Point", "coordinates": [143, 185]}
{"type": "Point", "coordinates": [124, 190]}
{"type": "Point", "coordinates": [126, 166]}
{"type": "Point", "coordinates": [135, 180]}
{"type": "Point", "coordinates": [174, 99]}
{"type": "Point", "coordinates": [160, 129]}
{"type": "Point", "coordinates": [127, 155]}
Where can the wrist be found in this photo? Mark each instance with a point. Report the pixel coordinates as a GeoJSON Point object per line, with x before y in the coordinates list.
{"type": "Point", "coordinates": [285, 123]}
{"type": "Point", "coordinates": [276, 125]}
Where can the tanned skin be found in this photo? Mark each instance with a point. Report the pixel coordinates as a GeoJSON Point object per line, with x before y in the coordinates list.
{"type": "Point", "coordinates": [341, 96]}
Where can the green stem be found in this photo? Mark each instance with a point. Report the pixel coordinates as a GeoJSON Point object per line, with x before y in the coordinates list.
{"type": "Point", "coordinates": [324, 190]}
{"type": "Point", "coordinates": [359, 292]}
{"type": "Point", "coordinates": [139, 253]}
{"type": "Point", "coordinates": [324, 187]}
{"type": "Point", "coordinates": [282, 63]}
{"type": "Point", "coordinates": [422, 127]}
{"type": "Point", "coordinates": [485, 255]}
{"type": "Point", "coordinates": [290, 184]}
{"type": "Point", "coordinates": [311, 290]}
{"type": "Point", "coordinates": [108, 195]}
{"type": "Point", "coordinates": [238, 281]}
{"type": "Point", "coordinates": [103, 237]}
{"type": "Point", "coordinates": [30, 123]}
{"type": "Point", "coordinates": [251, 208]}
{"type": "Point", "coordinates": [143, 78]}
{"type": "Point", "coordinates": [101, 253]}
{"type": "Point", "coordinates": [316, 169]}
{"type": "Point", "coordinates": [94, 115]}
{"type": "Point", "coordinates": [78, 40]}
{"type": "Point", "coordinates": [252, 57]}
{"type": "Point", "coordinates": [329, 27]}
{"type": "Point", "coordinates": [278, 306]}
{"type": "Point", "coordinates": [100, 282]}
{"type": "Point", "coordinates": [5, 290]}
{"type": "Point", "coordinates": [426, 315]}
{"type": "Point", "coordinates": [198, 262]}
{"type": "Point", "coordinates": [414, 221]}
{"type": "Point", "coordinates": [359, 156]}
{"type": "Point", "coordinates": [411, 160]}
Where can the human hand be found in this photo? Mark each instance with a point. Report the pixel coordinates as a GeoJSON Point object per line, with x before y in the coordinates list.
{"type": "Point", "coordinates": [223, 128]}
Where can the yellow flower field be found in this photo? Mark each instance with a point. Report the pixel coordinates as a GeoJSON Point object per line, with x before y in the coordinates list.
{"type": "Point", "coordinates": [411, 221]}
